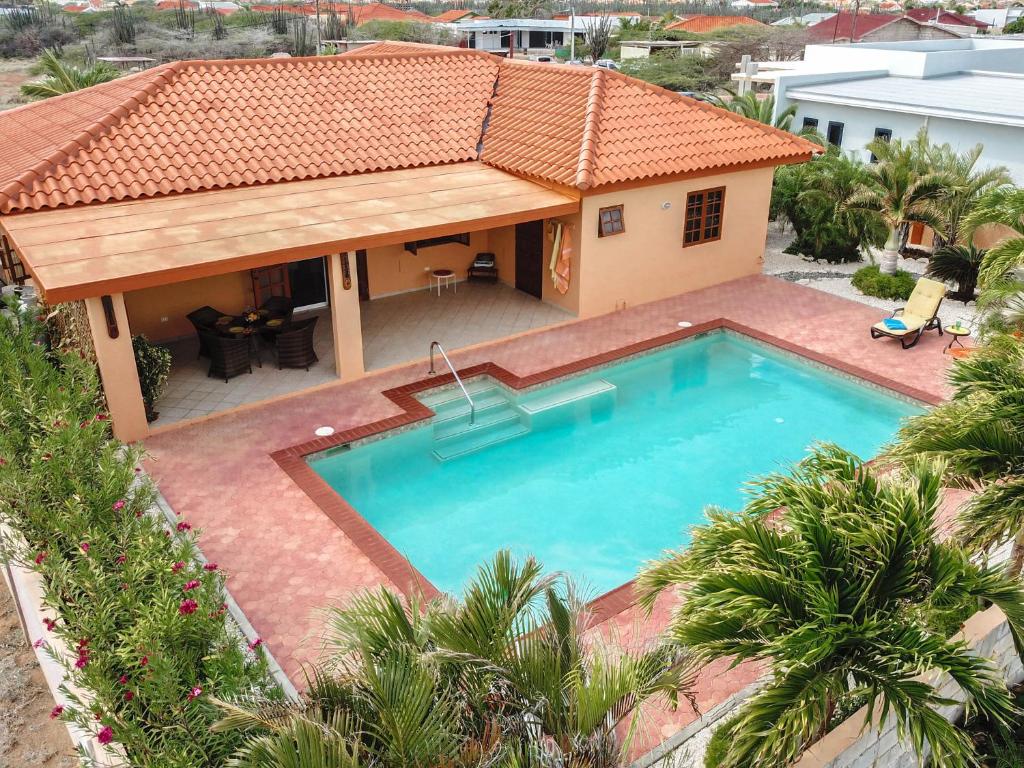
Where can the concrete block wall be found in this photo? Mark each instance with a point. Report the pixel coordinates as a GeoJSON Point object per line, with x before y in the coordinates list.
{"type": "Point", "coordinates": [850, 745]}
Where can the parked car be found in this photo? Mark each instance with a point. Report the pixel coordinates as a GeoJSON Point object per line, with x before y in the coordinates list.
{"type": "Point", "coordinates": [606, 64]}
{"type": "Point", "coordinates": [545, 59]}
{"type": "Point", "coordinates": [575, 62]}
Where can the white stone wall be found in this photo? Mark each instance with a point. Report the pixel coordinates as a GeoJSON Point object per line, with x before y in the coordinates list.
{"type": "Point", "coordinates": [851, 746]}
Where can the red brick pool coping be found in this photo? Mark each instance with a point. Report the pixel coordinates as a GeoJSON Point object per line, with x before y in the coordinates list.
{"type": "Point", "coordinates": [394, 565]}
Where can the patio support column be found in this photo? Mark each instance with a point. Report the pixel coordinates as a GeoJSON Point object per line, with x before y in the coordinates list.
{"type": "Point", "coordinates": [116, 361]}
{"type": "Point", "coordinates": [346, 323]}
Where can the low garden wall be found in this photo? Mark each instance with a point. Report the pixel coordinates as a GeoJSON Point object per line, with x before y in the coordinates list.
{"type": "Point", "coordinates": [850, 745]}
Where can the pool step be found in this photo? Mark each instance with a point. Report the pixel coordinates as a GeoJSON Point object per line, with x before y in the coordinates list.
{"type": "Point", "coordinates": [452, 395]}
{"type": "Point", "coordinates": [566, 402]}
{"type": "Point", "coordinates": [477, 439]}
{"type": "Point", "coordinates": [458, 410]}
{"type": "Point", "coordinates": [493, 415]}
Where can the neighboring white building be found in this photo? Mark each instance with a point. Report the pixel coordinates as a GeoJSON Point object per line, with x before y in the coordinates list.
{"type": "Point", "coordinates": [525, 34]}
{"type": "Point", "coordinates": [998, 17]}
{"type": "Point", "coordinates": [966, 92]}
{"type": "Point", "coordinates": [802, 21]}
{"type": "Point", "coordinates": [644, 49]}
{"type": "Point", "coordinates": [748, 4]}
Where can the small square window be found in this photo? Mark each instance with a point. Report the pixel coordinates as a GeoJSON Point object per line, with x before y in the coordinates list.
{"type": "Point", "coordinates": [810, 123]}
{"type": "Point", "coordinates": [703, 216]}
{"type": "Point", "coordinates": [883, 134]}
{"type": "Point", "coordinates": [610, 221]}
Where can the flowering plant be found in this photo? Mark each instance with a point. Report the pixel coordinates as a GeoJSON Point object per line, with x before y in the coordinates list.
{"type": "Point", "coordinates": [116, 577]}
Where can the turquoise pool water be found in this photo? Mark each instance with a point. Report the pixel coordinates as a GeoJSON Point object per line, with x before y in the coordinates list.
{"type": "Point", "coordinates": [598, 484]}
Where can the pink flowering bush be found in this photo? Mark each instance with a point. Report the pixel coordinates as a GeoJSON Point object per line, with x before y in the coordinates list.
{"type": "Point", "coordinates": [140, 616]}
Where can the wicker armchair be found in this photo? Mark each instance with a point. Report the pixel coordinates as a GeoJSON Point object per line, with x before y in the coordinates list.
{"type": "Point", "coordinates": [203, 319]}
{"type": "Point", "coordinates": [295, 346]}
{"type": "Point", "coordinates": [280, 307]}
{"type": "Point", "coordinates": [229, 357]}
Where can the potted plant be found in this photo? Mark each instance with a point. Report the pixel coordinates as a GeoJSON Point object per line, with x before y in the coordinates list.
{"type": "Point", "coordinates": [154, 365]}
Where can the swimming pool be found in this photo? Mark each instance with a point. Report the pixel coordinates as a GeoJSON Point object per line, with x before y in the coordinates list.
{"type": "Point", "coordinates": [599, 473]}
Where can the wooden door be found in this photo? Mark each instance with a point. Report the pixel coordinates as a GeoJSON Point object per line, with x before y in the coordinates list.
{"type": "Point", "coordinates": [270, 281]}
{"type": "Point", "coordinates": [530, 257]}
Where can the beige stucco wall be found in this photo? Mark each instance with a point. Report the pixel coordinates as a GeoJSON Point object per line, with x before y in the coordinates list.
{"type": "Point", "coordinates": [392, 269]}
{"type": "Point", "coordinates": [648, 261]}
{"type": "Point", "coordinates": [147, 308]}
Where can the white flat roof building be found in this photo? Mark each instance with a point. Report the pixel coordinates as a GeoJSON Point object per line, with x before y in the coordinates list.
{"type": "Point", "coordinates": [966, 92]}
{"type": "Point", "coordinates": [526, 34]}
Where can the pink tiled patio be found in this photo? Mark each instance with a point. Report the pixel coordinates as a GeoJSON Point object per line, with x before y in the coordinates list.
{"type": "Point", "coordinates": [286, 559]}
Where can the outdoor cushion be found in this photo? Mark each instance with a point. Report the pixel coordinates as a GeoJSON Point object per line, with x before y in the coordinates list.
{"type": "Point", "coordinates": [912, 322]}
{"type": "Point", "coordinates": [925, 299]}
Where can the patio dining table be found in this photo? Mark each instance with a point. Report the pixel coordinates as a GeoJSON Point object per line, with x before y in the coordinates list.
{"type": "Point", "coordinates": [245, 325]}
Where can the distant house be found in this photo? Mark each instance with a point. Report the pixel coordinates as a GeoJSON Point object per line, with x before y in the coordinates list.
{"type": "Point", "coordinates": [957, 22]}
{"type": "Point", "coordinates": [537, 35]}
{"type": "Point", "coordinates": [361, 14]}
{"type": "Point", "coordinates": [802, 21]}
{"type": "Point", "coordinates": [453, 15]}
{"type": "Point", "coordinates": [701, 24]}
{"type": "Point", "coordinates": [645, 49]}
{"type": "Point", "coordinates": [847, 27]}
{"type": "Point", "coordinates": [966, 91]}
{"type": "Point", "coordinates": [997, 18]}
{"type": "Point", "coordinates": [754, 4]}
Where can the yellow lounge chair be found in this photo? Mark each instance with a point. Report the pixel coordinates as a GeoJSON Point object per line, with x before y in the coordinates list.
{"type": "Point", "coordinates": [921, 314]}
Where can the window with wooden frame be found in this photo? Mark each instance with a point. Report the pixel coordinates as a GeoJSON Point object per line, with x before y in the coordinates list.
{"type": "Point", "coordinates": [703, 221]}
{"type": "Point", "coordinates": [610, 221]}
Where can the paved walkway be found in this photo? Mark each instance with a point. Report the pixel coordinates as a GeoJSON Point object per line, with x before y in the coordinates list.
{"type": "Point", "coordinates": [286, 560]}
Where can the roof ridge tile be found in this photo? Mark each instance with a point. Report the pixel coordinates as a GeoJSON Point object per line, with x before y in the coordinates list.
{"type": "Point", "coordinates": [591, 125]}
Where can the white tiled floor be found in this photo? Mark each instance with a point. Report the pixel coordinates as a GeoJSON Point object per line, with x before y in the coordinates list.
{"type": "Point", "coordinates": [400, 328]}
{"type": "Point", "coordinates": [191, 392]}
{"type": "Point", "coordinates": [396, 329]}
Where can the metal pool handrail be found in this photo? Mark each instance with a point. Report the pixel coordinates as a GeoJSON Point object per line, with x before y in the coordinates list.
{"type": "Point", "coordinates": [472, 405]}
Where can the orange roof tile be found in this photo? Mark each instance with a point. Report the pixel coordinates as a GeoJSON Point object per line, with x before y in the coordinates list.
{"type": "Point", "coordinates": [585, 127]}
{"type": "Point", "coordinates": [711, 23]}
{"type": "Point", "coordinates": [200, 125]}
{"type": "Point", "coordinates": [454, 14]}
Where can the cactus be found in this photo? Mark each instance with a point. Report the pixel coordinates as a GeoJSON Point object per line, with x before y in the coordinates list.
{"type": "Point", "coordinates": [220, 30]}
{"type": "Point", "coordinates": [185, 20]}
{"type": "Point", "coordinates": [124, 25]}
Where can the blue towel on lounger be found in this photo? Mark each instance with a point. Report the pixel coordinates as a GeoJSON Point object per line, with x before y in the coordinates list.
{"type": "Point", "coordinates": [894, 324]}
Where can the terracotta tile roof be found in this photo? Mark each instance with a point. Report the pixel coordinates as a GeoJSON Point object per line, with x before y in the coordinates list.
{"type": "Point", "coordinates": [360, 13]}
{"type": "Point", "coordinates": [200, 125]}
{"type": "Point", "coordinates": [454, 14]}
{"type": "Point", "coordinates": [840, 26]}
{"type": "Point", "coordinates": [712, 23]}
{"type": "Point", "coordinates": [585, 127]}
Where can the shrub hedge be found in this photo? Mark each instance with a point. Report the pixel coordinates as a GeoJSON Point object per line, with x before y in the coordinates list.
{"type": "Point", "coordinates": [871, 282]}
{"type": "Point", "coordinates": [144, 619]}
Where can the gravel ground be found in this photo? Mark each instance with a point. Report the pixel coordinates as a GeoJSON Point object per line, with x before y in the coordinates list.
{"type": "Point", "coordinates": [834, 278]}
{"type": "Point", "coordinates": [28, 737]}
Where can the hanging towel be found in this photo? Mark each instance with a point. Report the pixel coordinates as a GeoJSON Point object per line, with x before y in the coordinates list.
{"type": "Point", "coordinates": [563, 268]}
{"type": "Point", "coordinates": [556, 248]}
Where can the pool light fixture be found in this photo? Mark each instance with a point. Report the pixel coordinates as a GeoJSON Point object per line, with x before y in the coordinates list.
{"type": "Point", "coordinates": [684, 324]}
{"type": "Point", "coordinates": [323, 431]}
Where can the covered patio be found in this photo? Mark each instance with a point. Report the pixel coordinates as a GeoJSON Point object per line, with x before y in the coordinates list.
{"type": "Point", "coordinates": [142, 265]}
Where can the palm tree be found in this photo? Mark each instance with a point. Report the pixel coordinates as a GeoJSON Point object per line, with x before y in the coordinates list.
{"type": "Point", "coordinates": [65, 78]}
{"type": "Point", "coordinates": [957, 264]}
{"type": "Point", "coordinates": [900, 192]}
{"type": "Point", "coordinates": [967, 184]}
{"type": "Point", "coordinates": [1003, 206]}
{"type": "Point", "coordinates": [761, 110]}
{"type": "Point", "coordinates": [978, 431]}
{"type": "Point", "coordinates": [843, 596]}
{"type": "Point", "coordinates": [504, 674]}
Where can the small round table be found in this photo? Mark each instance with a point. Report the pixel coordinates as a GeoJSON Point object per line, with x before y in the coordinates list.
{"type": "Point", "coordinates": [445, 276]}
{"type": "Point", "coordinates": [956, 331]}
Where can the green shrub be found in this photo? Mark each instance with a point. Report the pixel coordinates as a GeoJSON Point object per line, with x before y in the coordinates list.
{"type": "Point", "coordinates": [718, 746]}
{"type": "Point", "coordinates": [871, 282]}
{"type": "Point", "coordinates": [143, 619]}
{"type": "Point", "coordinates": [154, 366]}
